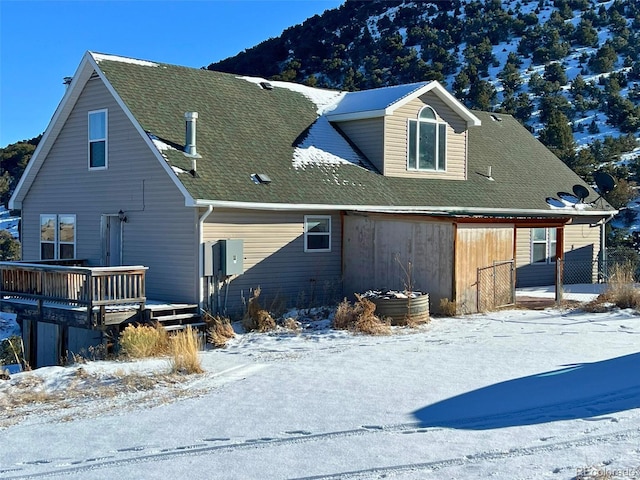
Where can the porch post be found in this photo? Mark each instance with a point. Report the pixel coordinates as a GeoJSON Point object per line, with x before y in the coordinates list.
{"type": "Point", "coordinates": [559, 262]}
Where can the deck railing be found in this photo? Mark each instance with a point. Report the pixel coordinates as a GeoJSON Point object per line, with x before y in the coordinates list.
{"type": "Point", "coordinates": [77, 286]}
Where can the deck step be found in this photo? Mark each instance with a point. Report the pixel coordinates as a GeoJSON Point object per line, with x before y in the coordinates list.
{"type": "Point", "coordinates": [173, 328]}
{"type": "Point", "coordinates": [176, 314]}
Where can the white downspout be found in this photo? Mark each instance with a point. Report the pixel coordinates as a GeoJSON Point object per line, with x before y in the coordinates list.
{"type": "Point", "coordinates": [203, 217]}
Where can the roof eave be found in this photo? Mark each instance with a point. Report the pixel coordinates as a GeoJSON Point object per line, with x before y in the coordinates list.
{"type": "Point", "coordinates": [407, 209]}
{"type": "Point", "coordinates": [445, 96]}
{"type": "Point", "coordinates": [345, 117]}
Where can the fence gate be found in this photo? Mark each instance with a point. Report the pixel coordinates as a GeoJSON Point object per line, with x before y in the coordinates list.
{"type": "Point", "coordinates": [496, 286]}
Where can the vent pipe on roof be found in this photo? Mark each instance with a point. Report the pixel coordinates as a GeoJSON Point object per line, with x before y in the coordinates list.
{"type": "Point", "coordinates": [190, 137]}
{"type": "Point", "coordinates": [67, 81]}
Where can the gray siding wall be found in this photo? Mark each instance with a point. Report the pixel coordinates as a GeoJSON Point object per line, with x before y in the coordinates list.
{"type": "Point", "coordinates": [275, 260]}
{"type": "Point", "coordinates": [396, 134]}
{"type": "Point", "coordinates": [368, 136]}
{"type": "Point", "coordinates": [161, 232]}
{"type": "Point", "coordinates": [581, 249]}
{"type": "Point", "coordinates": [379, 253]}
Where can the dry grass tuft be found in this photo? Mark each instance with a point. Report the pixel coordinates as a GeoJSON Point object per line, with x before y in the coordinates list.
{"type": "Point", "coordinates": [360, 318]}
{"type": "Point", "coordinates": [219, 330]}
{"type": "Point", "coordinates": [344, 317]}
{"type": "Point", "coordinates": [292, 324]}
{"type": "Point", "coordinates": [256, 317]}
{"type": "Point", "coordinates": [141, 341]}
{"type": "Point", "coordinates": [621, 290]}
{"type": "Point", "coordinates": [185, 348]}
{"type": "Point", "coordinates": [448, 308]}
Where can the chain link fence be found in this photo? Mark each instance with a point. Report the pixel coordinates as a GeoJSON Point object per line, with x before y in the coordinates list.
{"type": "Point", "coordinates": [601, 269]}
{"type": "Point", "coordinates": [496, 286]}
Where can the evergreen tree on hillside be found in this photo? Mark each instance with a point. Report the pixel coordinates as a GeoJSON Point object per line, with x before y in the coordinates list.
{"type": "Point", "coordinates": [13, 161]}
{"type": "Point", "coordinates": [558, 137]}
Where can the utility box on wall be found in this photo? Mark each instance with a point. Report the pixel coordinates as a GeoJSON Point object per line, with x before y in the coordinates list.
{"type": "Point", "coordinates": [224, 257]}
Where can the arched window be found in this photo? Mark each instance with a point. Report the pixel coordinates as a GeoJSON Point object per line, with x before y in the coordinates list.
{"type": "Point", "coordinates": [427, 142]}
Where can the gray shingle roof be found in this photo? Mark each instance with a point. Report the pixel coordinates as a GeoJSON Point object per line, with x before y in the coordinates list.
{"type": "Point", "coordinates": [243, 129]}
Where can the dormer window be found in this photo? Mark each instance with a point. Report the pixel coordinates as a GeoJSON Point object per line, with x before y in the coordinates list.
{"type": "Point", "coordinates": [98, 139]}
{"type": "Point", "coordinates": [427, 142]}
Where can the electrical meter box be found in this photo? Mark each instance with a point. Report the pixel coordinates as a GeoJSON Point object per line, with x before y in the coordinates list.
{"type": "Point", "coordinates": [224, 257]}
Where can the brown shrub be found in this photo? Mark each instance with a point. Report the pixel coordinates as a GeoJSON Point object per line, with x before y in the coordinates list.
{"type": "Point", "coordinates": [345, 316]}
{"type": "Point", "coordinates": [219, 330]}
{"type": "Point", "coordinates": [256, 317]}
{"type": "Point", "coordinates": [621, 290]}
{"type": "Point", "coordinates": [291, 324]}
{"type": "Point", "coordinates": [448, 308]}
{"type": "Point", "coordinates": [360, 318]}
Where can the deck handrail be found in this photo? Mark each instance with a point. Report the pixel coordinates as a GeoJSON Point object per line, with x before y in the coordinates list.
{"type": "Point", "coordinates": [82, 286]}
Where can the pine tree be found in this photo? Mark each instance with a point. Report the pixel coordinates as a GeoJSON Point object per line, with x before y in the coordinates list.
{"type": "Point", "coordinates": [558, 137]}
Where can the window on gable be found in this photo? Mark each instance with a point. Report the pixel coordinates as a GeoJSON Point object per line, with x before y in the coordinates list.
{"type": "Point", "coordinates": [427, 142]}
{"type": "Point", "coordinates": [57, 237]}
{"type": "Point", "coordinates": [317, 233]}
{"type": "Point", "coordinates": [543, 245]}
{"type": "Point", "coordinates": [98, 139]}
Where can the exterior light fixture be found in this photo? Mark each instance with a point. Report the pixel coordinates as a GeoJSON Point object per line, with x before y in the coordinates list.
{"type": "Point", "coordinates": [122, 216]}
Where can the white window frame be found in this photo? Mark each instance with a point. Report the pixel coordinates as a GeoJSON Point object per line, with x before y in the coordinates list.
{"type": "Point", "coordinates": [57, 242]}
{"type": "Point", "coordinates": [307, 233]}
{"type": "Point", "coordinates": [104, 139]}
{"type": "Point", "coordinates": [549, 243]}
{"type": "Point", "coordinates": [440, 164]}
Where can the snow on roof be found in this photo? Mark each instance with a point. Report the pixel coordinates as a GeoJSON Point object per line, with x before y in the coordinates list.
{"type": "Point", "coordinates": [324, 99]}
{"type": "Point", "coordinates": [374, 99]}
{"type": "Point", "coordinates": [324, 146]}
{"type": "Point", "coordinates": [163, 147]}
{"type": "Point", "coordinates": [114, 58]}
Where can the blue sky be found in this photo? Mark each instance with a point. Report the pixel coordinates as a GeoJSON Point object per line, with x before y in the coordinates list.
{"type": "Point", "coordinates": [41, 42]}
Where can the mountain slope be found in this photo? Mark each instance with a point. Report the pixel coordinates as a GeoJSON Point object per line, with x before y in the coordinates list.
{"type": "Point", "coordinates": [567, 69]}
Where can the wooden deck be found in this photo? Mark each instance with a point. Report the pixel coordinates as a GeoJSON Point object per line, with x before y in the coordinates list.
{"type": "Point", "coordinates": [72, 308]}
{"type": "Point", "coordinates": [78, 296]}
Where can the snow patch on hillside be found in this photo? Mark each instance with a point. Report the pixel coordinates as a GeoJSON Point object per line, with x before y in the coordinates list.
{"type": "Point", "coordinates": [9, 223]}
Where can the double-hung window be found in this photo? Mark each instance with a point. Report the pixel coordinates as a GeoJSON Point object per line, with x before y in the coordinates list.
{"type": "Point", "coordinates": [57, 237]}
{"type": "Point", "coordinates": [427, 142]}
{"type": "Point", "coordinates": [317, 233]}
{"type": "Point", "coordinates": [98, 126]}
{"type": "Point", "coordinates": [543, 245]}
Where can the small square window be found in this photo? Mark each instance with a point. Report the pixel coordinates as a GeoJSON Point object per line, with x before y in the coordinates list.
{"type": "Point", "coordinates": [317, 233]}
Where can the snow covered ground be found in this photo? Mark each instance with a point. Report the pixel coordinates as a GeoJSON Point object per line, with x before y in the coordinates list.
{"type": "Point", "coordinates": [516, 394]}
{"type": "Point", "coordinates": [7, 222]}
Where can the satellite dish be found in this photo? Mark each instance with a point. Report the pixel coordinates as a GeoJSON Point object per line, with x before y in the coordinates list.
{"type": "Point", "coordinates": [605, 182]}
{"type": "Point", "coordinates": [554, 202]}
{"type": "Point", "coordinates": [568, 199]}
{"type": "Point", "coordinates": [581, 191]}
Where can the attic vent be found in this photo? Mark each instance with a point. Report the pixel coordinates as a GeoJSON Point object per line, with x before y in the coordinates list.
{"type": "Point", "coordinates": [261, 178]}
{"type": "Point", "coordinates": [266, 85]}
{"type": "Point", "coordinates": [495, 118]}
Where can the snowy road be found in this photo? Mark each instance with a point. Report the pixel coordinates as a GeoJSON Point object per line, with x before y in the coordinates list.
{"type": "Point", "coordinates": [508, 395]}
